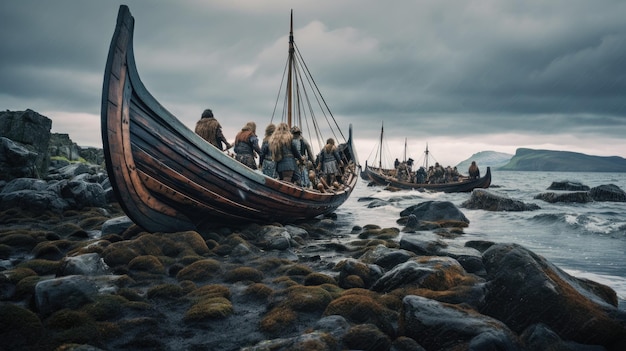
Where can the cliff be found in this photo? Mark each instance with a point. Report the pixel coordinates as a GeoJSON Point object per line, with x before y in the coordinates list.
{"type": "Point", "coordinates": [562, 161]}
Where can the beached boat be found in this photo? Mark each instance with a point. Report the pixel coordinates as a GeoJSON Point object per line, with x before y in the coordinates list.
{"type": "Point", "coordinates": [167, 178]}
{"type": "Point", "coordinates": [404, 177]}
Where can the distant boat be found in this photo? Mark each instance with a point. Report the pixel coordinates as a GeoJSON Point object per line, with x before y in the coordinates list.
{"type": "Point", "coordinates": [168, 179]}
{"type": "Point", "coordinates": [377, 175]}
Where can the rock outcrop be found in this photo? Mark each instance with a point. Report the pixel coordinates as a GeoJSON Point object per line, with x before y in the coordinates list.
{"type": "Point", "coordinates": [31, 130]}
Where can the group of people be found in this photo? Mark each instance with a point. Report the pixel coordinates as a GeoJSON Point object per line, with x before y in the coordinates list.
{"type": "Point", "coordinates": [436, 174]}
{"type": "Point", "coordinates": [283, 154]}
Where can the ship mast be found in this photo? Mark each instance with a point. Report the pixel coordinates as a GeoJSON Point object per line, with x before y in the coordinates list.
{"type": "Point", "coordinates": [380, 159]}
{"type": "Point", "coordinates": [289, 78]}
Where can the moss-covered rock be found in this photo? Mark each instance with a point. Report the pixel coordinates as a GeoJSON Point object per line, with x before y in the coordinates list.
{"type": "Point", "coordinates": [360, 308]}
{"type": "Point", "coordinates": [279, 319]}
{"type": "Point", "coordinates": [209, 291]}
{"type": "Point", "coordinates": [165, 291]}
{"type": "Point", "coordinates": [18, 273]}
{"type": "Point", "coordinates": [366, 337]}
{"type": "Point", "coordinates": [244, 274]}
{"type": "Point", "coordinates": [20, 328]}
{"type": "Point", "coordinates": [41, 267]}
{"type": "Point", "coordinates": [209, 308]}
{"type": "Point", "coordinates": [202, 270]}
{"type": "Point", "coordinates": [298, 270]}
{"type": "Point", "coordinates": [149, 264]}
{"type": "Point", "coordinates": [307, 298]}
{"type": "Point", "coordinates": [319, 279]}
{"type": "Point", "coordinates": [258, 291]}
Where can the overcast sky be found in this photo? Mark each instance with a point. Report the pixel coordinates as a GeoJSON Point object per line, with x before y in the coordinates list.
{"type": "Point", "coordinates": [460, 76]}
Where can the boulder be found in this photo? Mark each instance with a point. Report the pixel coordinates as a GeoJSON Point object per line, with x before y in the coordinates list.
{"type": "Point", "coordinates": [468, 257]}
{"type": "Point", "coordinates": [33, 200]}
{"type": "Point", "coordinates": [386, 257]}
{"type": "Point", "coordinates": [434, 273]}
{"type": "Point", "coordinates": [116, 225]}
{"type": "Point", "coordinates": [608, 192]}
{"type": "Point", "coordinates": [31, 130]}
{"type": "Point", "coordinates": [86, 264]}
{"type": "Point", "coordinates": [356, 274]}
{"type": "Point", "coordinates": [525, 289]}
{"type": "Point", "coordinates": [568, 186]}
{"type": "Point", "coordinates": [83, 194]}
{"type": "Point", "coordinates": [71, 291]}
{"type": "Point", "coordinates": [441, 326]}
{"type": "Point", "coordinates": [434, 211]}
{"type": "Point", "coordinates": [578, 197]}
{"type": "Point", "coordinates": [482, 199]}
{"type": "Point", "coordinates": [16, 161]}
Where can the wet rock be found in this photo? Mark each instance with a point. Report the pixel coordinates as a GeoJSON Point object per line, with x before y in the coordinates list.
{"type": "Point", "coordinates": [540, 337]}
{"type": "Point", "coordinates": [335, 325]}
{"type": "Point", "coordinates": [440, 326]}
{"type": "Point", "coordinates": [86, 264]}
{"type": "Point", "coordinates": [116, 225]}
{"type": "Point", "coordinates": [71, 292]}
{"type": "Point", "coordinates": [435, 211]}
{"type": "Point", "coordinates": [437, 248]}
{"type": "Point", "coordinates": [608, 192]}
{"type": "Point", "coordinates": [525, 289]}
{"type": "Point", "coordinates": [377, 203]}
{"type": "Point", "coordinates": [434, 273]}
{"type": "Point", "coordinates": [482, 199]}
{"type": "Point", "coordinates": [276, 238]}
{"type": "Point", "coordinates": [579, 197]}
{"type": "Point", "coordinates": [356, 274]}
{"type": "Point", "coordinates": [362, 308]}
{"type": "Point", "coordinates": [386, 257]}
{"type": "Point", "coordinates": [568, 186]}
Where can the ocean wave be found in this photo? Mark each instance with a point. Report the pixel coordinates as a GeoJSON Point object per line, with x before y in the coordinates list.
{"type": "Point", "coordinates": [605, 224]}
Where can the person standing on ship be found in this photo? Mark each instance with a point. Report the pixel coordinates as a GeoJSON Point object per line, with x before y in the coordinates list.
{"type": "Point", "coordinates": [246, 145]}
{"type": "Point", "coordinates": [210, 130]}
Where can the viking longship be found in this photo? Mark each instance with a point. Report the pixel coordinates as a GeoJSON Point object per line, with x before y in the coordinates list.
{"type": "Point", "coordinates": [167, 178]}
{"type": "Point", "coordinates": [405, 177]}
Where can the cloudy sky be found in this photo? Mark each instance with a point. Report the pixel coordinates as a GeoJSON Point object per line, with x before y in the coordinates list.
{"type": "Point", "coordinates": [460, 76]}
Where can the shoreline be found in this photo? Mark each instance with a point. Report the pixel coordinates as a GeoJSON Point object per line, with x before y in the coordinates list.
{"type": "Point", "coordinates": [255, 286]}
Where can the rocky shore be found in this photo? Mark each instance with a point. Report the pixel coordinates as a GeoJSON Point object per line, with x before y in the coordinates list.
{"type": "Point", "coordinates": [78, 275]}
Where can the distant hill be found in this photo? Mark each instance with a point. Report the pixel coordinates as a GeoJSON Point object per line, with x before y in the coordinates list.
{"type": "Point", "coordinates": [485, 159]}
{"type": "Point", "coordinates": [562, 161]}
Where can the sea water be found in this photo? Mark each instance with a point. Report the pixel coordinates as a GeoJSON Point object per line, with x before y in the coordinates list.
{"type": "Point", "coordinates": [586, 240]}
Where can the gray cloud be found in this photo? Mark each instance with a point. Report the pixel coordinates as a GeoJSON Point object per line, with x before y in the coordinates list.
{"type": "Point", "coordinates": [550, 71]}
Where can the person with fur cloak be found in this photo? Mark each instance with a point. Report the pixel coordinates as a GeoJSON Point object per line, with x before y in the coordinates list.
{"type": "Point", "coordinates": [210, 130]}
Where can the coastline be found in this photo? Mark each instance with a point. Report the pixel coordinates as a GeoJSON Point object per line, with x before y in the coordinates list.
{"type": "Point", "coordinates": [259, 287]}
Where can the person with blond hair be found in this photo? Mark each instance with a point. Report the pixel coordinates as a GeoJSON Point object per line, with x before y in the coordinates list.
{"type": "Point", "coordinates": [246, 145]}
{"type": "Point", "coordinates": [210, 130]}
{"type": "Point", "coordinates": [329, 162]}
{"type": "Point", "coordinates": [284, 152]}
{"type": "Point", "coordinates": [267, 165]}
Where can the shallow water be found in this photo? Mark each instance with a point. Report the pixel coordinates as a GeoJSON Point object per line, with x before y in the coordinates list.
{"type": "Point", "coordinates": [586, 240]}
